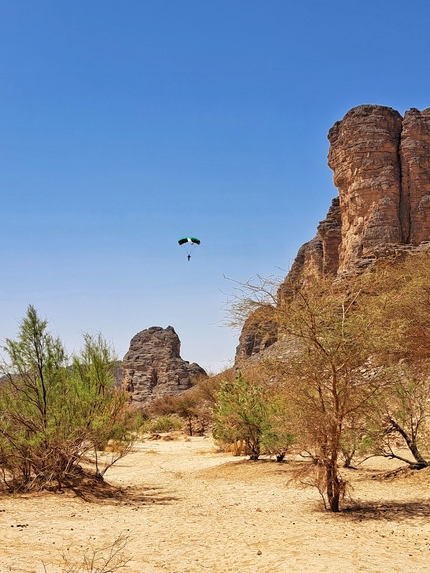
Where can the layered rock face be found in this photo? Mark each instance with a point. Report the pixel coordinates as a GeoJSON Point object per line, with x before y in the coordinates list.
{"type": "Point", "coordinates": [320, 256]}
{"type": "Point", "coordinates": [258, 333]}
{"type": "Point", "coordinates": [364, 156]}
{"type": "Point", "coordinates": [381, 167]}
{"type": "Point", "coordinates": [330, 232]}
{"type": "Point", "coordinates": [153, 367]}
{"type": "Point", "coordinates": [415, 168]}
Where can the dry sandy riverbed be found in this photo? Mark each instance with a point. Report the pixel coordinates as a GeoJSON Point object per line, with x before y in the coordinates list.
{"type": "Point", "coordinates": [186, 509]}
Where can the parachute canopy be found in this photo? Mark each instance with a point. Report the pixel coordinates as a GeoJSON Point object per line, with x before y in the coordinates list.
{"type": "Point", "coordinates": [189, 243]}
{"type": "Point", "coordinates": [192, 240]}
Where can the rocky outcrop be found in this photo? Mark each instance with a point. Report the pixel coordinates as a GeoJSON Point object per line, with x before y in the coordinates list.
{"type": "Point", "coordinates": [330, 232]}
{"type": "Point", "coordinates": [381, 167]}
{"type": "Point", "coordinates": [364, 156]}
{"type": "Point", "coordinates": [258, 333]}
{"type": "Point", "coordinates": [320, 256]}
{"type": "Point", "coordinates": [415, 168]}
{"type": "Point", "coordinates": [153, 367]}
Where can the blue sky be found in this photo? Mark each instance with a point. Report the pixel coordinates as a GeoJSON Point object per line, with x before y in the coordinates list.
{"type": "Point", "coordinates": [126, 124]}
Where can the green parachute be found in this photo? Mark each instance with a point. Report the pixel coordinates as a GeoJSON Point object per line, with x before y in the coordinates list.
{"type": "Point", "coordinates": [189, 244]}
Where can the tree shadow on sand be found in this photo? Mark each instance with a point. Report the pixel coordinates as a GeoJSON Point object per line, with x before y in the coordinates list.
{"type": "Point", "coordinates": [93, 490]}
{"type": "Point", "coordinates": [388, 510]}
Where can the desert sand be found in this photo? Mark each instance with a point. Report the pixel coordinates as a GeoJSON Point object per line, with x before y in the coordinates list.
{"type": "Point", "coordinates": [187, 508]}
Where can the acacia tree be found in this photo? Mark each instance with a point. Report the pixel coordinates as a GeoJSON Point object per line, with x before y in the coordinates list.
{"type": "Point", "coordinates": [54, 415]}
{"type": "Point", "coordinates": [328, 329]}
{"type": "Point", "coordinates": [357, 366]}
{"type": "Point", "coordinates": [333, 331]}
{"type": "Point", "coordinates": [402, 413]}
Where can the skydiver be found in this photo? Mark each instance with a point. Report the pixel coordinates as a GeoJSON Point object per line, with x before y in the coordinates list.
{"type": "Point", "coordinates": [188, 257]}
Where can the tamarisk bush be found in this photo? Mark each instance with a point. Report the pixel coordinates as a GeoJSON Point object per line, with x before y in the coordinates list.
{"type": "Point", "coordinates": [55, 415]}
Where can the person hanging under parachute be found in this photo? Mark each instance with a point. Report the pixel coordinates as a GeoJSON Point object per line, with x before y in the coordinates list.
{"type": "Point", "coordinates": [189, 243]}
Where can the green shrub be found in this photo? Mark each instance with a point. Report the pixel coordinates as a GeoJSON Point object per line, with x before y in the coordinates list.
{"type": "Point", "coordinates": [242, 413]}
{"type": "Point", "coordinates": [55, 415]}
{"type": "Point", "coordinates": [166, 423]}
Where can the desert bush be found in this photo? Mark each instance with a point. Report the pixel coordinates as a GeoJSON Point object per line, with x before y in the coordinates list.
{"type": "Point", "coordinates": [165, 423]}
{"type": "Point", "coordinates": [55, 415]}
{"type": "Point", "coordinates": [242, 413]}
{"type": "Point", "coordinates": [194, 406]}
{"type": "Point", "coordinates": [253, 412]}
{"type": "Point", "coordinates": [278, 436]}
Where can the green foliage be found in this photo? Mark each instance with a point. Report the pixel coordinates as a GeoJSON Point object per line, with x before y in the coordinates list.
{"type": "Point", "coordinates": [54, 416]}
{"type": "Point", "coordinates": [165, 423]}
{"type": "Point", "coordinates": [278, 436]}
{"type": "Point", "coordinates": [244, 412]}
{"type": "Point", "coordinates": [355, 370]}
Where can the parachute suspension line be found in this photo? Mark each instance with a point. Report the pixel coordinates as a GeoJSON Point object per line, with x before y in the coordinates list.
{"type": "Point", "coordinates": [189, 243]}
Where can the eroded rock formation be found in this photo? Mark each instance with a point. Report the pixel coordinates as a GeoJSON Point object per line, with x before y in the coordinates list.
{"type": "Point", "coordinates": [381, 167]}
{"type": "Point", "coordinates": [415, 168]}
{"type": "Point", "coordinates": [258, 333]}
{"type": "Point", "coordinates": [364, 156]}
{"type": "Point", "coordinates": [153, 367]}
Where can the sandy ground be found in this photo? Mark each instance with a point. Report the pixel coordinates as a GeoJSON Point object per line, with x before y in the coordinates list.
{"type": "Point", "coordinates": [186, 508]}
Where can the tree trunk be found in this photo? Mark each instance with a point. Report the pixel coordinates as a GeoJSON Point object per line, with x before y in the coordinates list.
{"type": "Point", "coordinates": [254, 449]}
{"type": "Point", "coordinates": [412, 445]}
{"type": "Point", "coordinates": [334, 486]}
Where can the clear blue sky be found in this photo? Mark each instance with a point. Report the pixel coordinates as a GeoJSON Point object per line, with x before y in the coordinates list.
{"type": "Point", "coordinates": [126, 124]}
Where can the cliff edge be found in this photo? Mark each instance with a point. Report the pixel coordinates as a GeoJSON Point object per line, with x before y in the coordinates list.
{"type": "Point", "coordinates": [381, 168]}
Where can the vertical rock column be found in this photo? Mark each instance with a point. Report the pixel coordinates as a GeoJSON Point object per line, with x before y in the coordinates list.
{"type": "Point", "coordinates": [330, 231]}
{"type": "Point", "coordinates": [415, 162]}
{"type": "Point", "coordinates": [364, 156]}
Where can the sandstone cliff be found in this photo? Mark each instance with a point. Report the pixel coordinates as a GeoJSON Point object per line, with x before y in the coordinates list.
{"type": "Point", "coordinates": [153, 367]}
{"type": "Point", "coordinates": [381, 167]}
{"type": "Point", "coordinates": [259, 332]}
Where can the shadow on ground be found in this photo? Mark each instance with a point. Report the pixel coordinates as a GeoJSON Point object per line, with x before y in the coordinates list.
{"type": "Point", "coordinates": [93, 490]}
{"type": "Point", "coordinates": [388, 510]}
